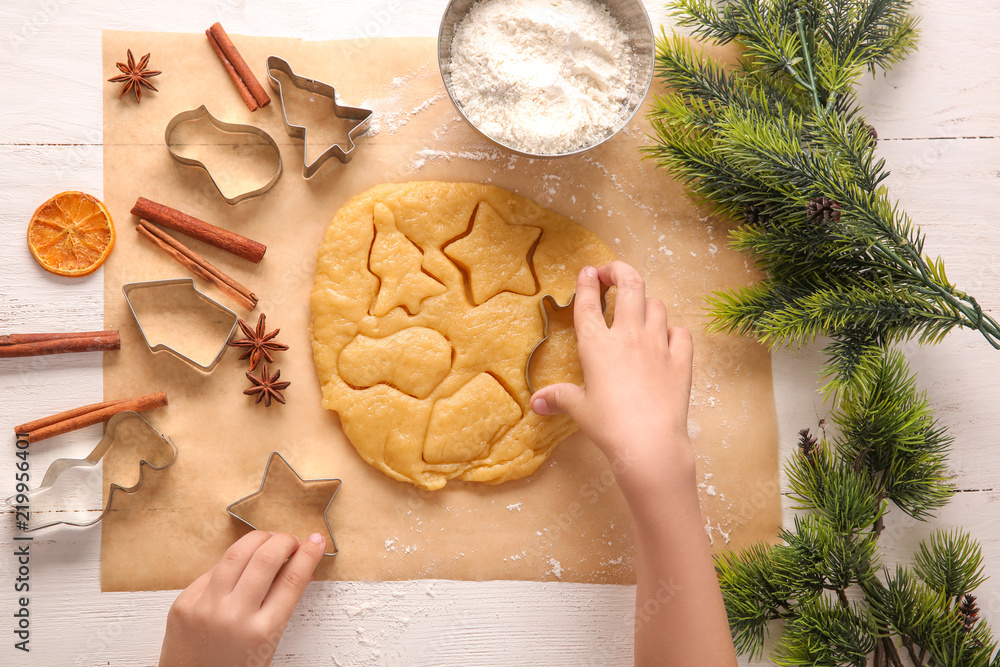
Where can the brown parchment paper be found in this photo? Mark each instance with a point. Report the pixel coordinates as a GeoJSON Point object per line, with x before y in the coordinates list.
{"type": "Point", "coordinates": [567, 521]}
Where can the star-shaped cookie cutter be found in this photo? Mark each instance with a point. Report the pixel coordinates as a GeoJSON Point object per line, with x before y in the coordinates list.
{"type": "Point", "coordinates": [556, 307]}
{"type": "Point", "coordinates": [362, 117]}
{"type": "Point", "coordinates": [71, 495]}
{"type": "Point", "coordinates": [234, 508]}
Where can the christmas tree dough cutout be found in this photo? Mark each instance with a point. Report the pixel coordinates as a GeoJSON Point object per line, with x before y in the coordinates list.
{"type": "Point", "coordinates": [397, 263]}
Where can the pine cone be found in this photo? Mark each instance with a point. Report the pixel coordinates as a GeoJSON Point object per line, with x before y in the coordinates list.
{"type": "Point", "coordinates": [872, 132]}
{"type": "Point", "coordinates": [823, 208]}
{"type": "Point", "coordinates": [756, 214]}
{"type": "Point", "coordinates": [808, 444]}
{"type": "Point", "coordinates": [969, 612]}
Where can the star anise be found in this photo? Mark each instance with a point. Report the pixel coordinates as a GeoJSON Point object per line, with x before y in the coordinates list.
{"type": "Point", "coordinates": [258, 343]}
{"type": "Point", "coordinates": [135, 76]}
{"type": "Point", "coordinates": [266, 387]}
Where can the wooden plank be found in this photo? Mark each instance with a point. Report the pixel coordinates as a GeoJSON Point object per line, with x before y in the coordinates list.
{"type": "Point", "coordinates": [950, 87]}
{"type": "Point", "coordinates": [49, 61]}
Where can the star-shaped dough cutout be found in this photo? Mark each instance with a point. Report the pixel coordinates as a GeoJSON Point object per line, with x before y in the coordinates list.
{"type": "Point", "coordinates": [287, 503]}
{"type": "Point", "coordinates": [397, 263]}
{"type": "Point", "coordinates": [494, 255]}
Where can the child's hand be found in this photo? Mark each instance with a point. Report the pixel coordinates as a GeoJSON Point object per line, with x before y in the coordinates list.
{"type": "Point", "coordinates": [634, 407]}
{"type": "Point", "coordinates": [234, 614]}
{"type": "Point", "coordinates": [638, 380]}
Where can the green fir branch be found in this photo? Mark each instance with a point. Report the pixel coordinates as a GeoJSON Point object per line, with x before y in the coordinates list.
{"type": "Point", "coordinates": [825, 632]}
{"type": "Point", "coordinates": [778, 142]}
{"type": "Point", "coordinates": [950, 563]}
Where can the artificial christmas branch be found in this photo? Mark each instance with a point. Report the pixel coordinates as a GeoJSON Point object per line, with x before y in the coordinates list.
{"type": "Point", "coordinates": [779, 142]}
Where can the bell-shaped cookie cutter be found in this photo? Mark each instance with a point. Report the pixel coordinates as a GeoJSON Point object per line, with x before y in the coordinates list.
{"type": "Point", "coordinates": [556, 307]}
{"type": "Point", "coordinates": [60, 466]}
{"type": "Point", "coordinates": [229, 128]}
{"type": "Point", "coordinates": [128, 288]}
{"type": "Point", "coordinates": [234, 507]}
{"type": "Point", "coordinates": [361, 116]}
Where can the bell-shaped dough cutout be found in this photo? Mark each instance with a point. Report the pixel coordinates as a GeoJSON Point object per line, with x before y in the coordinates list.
{"type": "Point", "coordinates": [414, 360]}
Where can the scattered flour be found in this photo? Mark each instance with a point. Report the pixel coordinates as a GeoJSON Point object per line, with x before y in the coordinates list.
{"type": "Point", "coordinates": [388, 117]}
{"type": "Point", "coordinates": [541, 76]}
{"type": "Point", "coordinates": [514, 506]}
{"type": "Point", "coordinates": [353, 611]}
{"type": "Point", "coordinates": [556, 568]}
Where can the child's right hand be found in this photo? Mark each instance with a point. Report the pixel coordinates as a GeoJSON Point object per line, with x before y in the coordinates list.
{"type": "Point", "coordinates": [634, 407]}
{"type": "Point", "coordinates": [637, 376]}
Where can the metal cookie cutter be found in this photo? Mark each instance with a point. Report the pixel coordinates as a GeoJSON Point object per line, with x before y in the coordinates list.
{"type": "Point", "coordinates": [229, 128]}
{"type": "Point", "coordinates": [334, 484]}
{"type": "Point", "coordinates": [128, 288]}
{"type": "Point", "coordinates": [63, 500]}
{"type": "Point", "coordinates": [556, 308]}
{"type": "Point", "coordinates": [362, 117]}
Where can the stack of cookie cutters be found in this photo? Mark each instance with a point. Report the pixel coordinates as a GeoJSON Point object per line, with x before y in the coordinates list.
{"type": "Point", "coordinates": [230, 318]}
{"type": "Point", "coordinates": [61, 497]}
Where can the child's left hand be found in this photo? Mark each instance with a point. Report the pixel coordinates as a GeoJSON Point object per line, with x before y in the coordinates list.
{"type": "Point", "coordinates": [235, 613]}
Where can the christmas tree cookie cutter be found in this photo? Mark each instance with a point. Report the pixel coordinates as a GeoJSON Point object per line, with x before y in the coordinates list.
{"type": "Point", "coordinates": [553, 304]}
{"type": "Point", "coordinates": [65, 500]}
{"type": "Point", "coordinates": [360, 117]}
{"type": "Point", "coordinates": [228, 128]}
{"type": "Point", "coordinates": [277, 464]}
{"type": "Point", "coordinates": [127, 290]}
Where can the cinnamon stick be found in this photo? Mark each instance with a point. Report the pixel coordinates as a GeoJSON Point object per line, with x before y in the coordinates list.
{"type": "Point", "coordinates": [197, 264]}
{"type": "Point", "coordinates": [71, 420]}
{"type": "Point", "coordinates": [241, 87]}
{"type": "Point", "coordinates": [181, 222]}
{"type": "Point", "coordinates": [69, 414]}
{"type": "Point", "coordinates": [27, 345]}
{"type": "Point", "coordinates": [226, 50]}
{"type": "Point", "coordinates": [11, 339]}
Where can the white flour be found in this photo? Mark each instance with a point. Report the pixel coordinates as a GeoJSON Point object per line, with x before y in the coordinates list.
{"type": "Point", "coordinates": [542, 76]}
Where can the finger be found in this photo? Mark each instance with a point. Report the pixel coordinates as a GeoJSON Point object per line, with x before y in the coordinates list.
{"type": "Point", "coordinates": [234, 561]}
{"type": "Point", "coordinates": [287, 589]}
{"type": "Point", "coordinates": [558, 399]}
{"type": "Point", "coordinates": [630, 295]}
{"type": "Point", "coordinates": [261, 570]}
{"type": "Point", "coordinates": [588, 316]}
{"type": "Point", "coordinates": [680, 344]}
{"type": "Point", "coordinates": [656, 315]}
{"type": "Point", "coordinates": [194, 591]}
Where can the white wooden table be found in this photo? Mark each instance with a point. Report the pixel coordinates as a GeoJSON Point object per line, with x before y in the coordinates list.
{"type": "Point", "coordinates": [937, 116]}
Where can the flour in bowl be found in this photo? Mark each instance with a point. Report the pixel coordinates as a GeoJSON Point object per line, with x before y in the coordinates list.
{"type": "Point", "coordinates": [542, 76]}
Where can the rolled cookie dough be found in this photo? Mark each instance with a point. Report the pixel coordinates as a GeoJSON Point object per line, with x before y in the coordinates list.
{"type": "Point", "coordinates": [424, 310]}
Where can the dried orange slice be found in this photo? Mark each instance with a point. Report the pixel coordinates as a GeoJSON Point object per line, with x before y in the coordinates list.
{"type": "Point", "coordinates": [71, 234]}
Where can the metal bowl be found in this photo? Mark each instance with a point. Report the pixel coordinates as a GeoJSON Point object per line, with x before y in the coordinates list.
{"type": "Point", "coordinates": [632, 18]}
